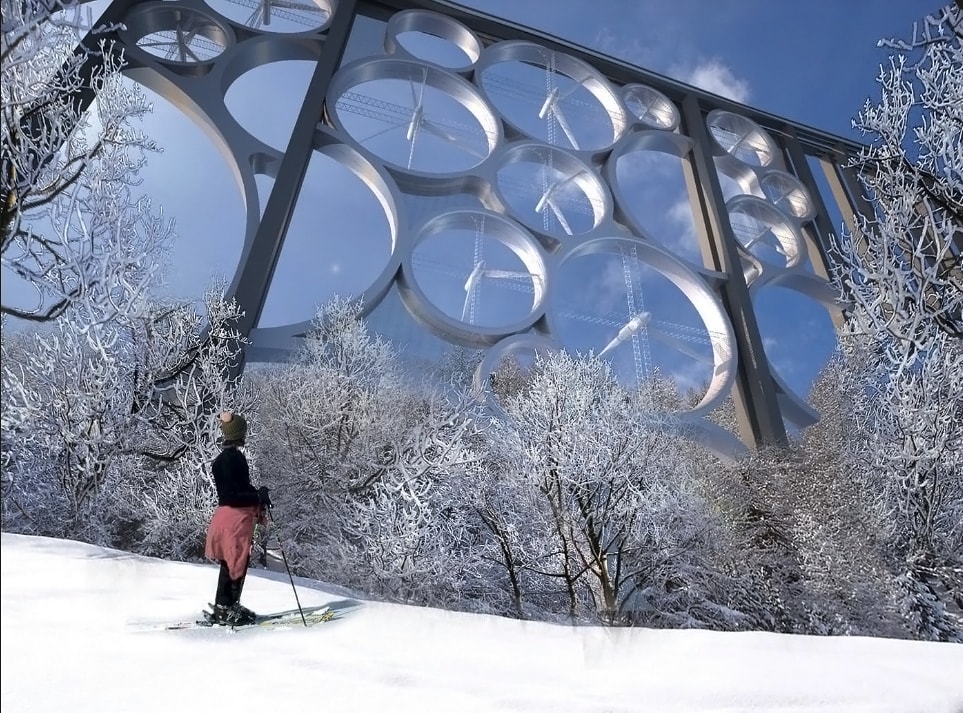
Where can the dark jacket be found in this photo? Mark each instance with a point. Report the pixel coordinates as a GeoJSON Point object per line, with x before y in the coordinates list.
{"type": "Point", "coordinates": [233, 479]}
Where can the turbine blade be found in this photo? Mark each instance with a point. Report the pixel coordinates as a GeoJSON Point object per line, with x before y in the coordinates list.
{"type": "Point", "coordinates": [680, 346]}
{"type": "Point", "coordinates": [563, 122]}
{"type": "Point", "coordinates": [559, 217]}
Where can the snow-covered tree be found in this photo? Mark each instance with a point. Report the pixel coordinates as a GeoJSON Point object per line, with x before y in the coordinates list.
{"type": "Point", "coordinates": [591, 506]}
{"type": "Point", "coordinates": [320, 411]}
{"type": "Point", "coordinates": [107, 428]}
{"type": "Point", "coordinates": [809, 525]}
{"type": "Point", "coordinates": [840, 520]}
{"type": "Point", "coordinates": [73, 231]}
{"type": "Point", "coordinates": [185, 375]}
{"type": "Point", "coordinates": [363, 460]}
{"type": "Point", "coordinates": [903, 343]}
{"type": "Point", "coordinates": [406, 527]}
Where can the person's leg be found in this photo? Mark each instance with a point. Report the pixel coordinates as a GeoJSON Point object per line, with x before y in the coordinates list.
{"type": "Point", "coordinates": [241, 613]}
{"type": "Point", "coordinates": [237, 586]}
{"type": "Point", "coordinates": [224, 597]}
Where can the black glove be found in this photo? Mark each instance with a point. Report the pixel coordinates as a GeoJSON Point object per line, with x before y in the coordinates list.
{"type": "Point", "coordinates": [264, 496]}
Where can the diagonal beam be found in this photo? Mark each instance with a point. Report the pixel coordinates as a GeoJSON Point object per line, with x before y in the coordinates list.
{"type": "Point", "coordinates": [260, 257]}
{"type": "Point", "coordinates": [760, 419]}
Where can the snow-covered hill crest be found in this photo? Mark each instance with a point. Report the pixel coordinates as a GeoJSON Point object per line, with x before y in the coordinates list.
{"type": "Point", "coordinates": [68, 645]}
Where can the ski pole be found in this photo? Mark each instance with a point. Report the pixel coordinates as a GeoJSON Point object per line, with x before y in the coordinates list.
{"type": "Point", "coordinates": [284, 559]}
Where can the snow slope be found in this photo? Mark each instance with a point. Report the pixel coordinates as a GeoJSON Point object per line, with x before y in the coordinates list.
{"type": "Point", "coordinates": [386, 658]}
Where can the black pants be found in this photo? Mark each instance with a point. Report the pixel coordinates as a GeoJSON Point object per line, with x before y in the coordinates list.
{"type": "Point", "coordinates": [228, 590]}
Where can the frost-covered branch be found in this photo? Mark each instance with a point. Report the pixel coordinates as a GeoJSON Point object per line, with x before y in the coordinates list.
{"type": "Point", "coordinates": [903, 341]}
{"type": "Point", "coordinates": [108, 428]}
{"type": "Point", "coordinates": [72, 228]}
{"type": "Point", "coordinates": [907, 257]}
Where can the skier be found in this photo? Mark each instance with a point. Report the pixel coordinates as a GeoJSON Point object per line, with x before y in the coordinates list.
{"type": "Point", "coordinates": [231, 531]}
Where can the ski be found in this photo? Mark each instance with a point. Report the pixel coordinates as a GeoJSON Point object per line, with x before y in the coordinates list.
{"type": "Point", "coordinates": [289, 618]}
{"type": "Point", "coordinates": [312, 615]}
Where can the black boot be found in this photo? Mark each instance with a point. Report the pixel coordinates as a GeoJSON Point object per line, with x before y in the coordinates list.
{"type": "Point", "coordinates": [234, 615]}
{"type": "Point", "coordinates": [236, 587]}
{"type": "Point", "coordinates": [221, 615]}
{"type": "Point", "coordinates": [241, 613]}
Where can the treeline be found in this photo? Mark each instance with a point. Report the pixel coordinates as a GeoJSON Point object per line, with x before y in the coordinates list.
{"type": "Point", "coordinates": [581, 502]}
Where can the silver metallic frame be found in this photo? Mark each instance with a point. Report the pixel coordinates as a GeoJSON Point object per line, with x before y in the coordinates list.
{"type": "Point", "coordinates": [539, 344]}
{"type": "Point", "coordinates": [499, 227]}
{"type": "Point", "coordinates": [650, 108]}
{"type": "Point", "coordinates": [790, 242]}
{"type": "Point", "coordinates": [457, 88]}
{"type": "Point", "coordinates": [264, 10]}
{"type": "Point", "coordinates": [787, 193]}
{"type": "Point", "coordinates": [708, 130]}
{"type": "Point", "coordinates": [692, 285]}
{"type": "Point", "coordinates": [574, 170]}
{"type": "Point", "coordinates": [581, 72]}
{"type": "Point", "coordinates": [432, 23]}
{"type": "Point", "coordinates": [186, 24]}
{"type": "Point", "coordinates": [738, 139]}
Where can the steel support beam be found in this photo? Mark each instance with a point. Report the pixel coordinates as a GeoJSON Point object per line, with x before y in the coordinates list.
{"type": "Point", "coordinates": [846, 192]}
{"type": "Point", "coordinates": [491, 28]}
{"type": "Point", "coordinates": [822, 231]}
{"type": "Point", "coordinates": [757, 409]}
{"type": "Point", "coordinates": [261, 256]}
{"type": "Point", "coordinates": [820, 234]}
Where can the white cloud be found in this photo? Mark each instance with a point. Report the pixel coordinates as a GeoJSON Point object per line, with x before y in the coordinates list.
{"type": "Point", "coordinates": [714, 76]}
{"type": "Point", "coordinates": [639, 51]}
{"type": "Point", "coordinates": [771, 345]}
{"type": "Point", "coordinates": [681, 239]}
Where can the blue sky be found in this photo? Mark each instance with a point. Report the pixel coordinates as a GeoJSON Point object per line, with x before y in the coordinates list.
{"type": "Point", "coordinates": [813, 62]}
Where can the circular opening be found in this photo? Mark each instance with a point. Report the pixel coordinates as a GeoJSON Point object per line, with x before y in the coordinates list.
{"type": "Point", "coordinates": [648, 314]}
{"type": "Point", "coordinates": [764, 232]}
{"type": "Point", "coordinates": [550, 96]}
{"type": "Point", "coordinates": [204, 203]}
{"type": "Point", "coordinates": [414, 117]}
{"type": "Point", "coordinates": [741, 138]}
{"type": "Point", "coordinates": [432, 37]}
{"type": "Point", "coordinates": [550, 191]}
{"type": "Point", "coordinates": [797, 348]}
{"type": "Point", "coordinates": [278, 85]}
{"type": "Point", "coordinates": [281, 16]}
{"type": "Point", "coordinates": [649, 185]}
{"type": "Point", "coordinates": [434, 49]}
{"type": "Point", "coordinates": [340, 242]}
{"type": "Point", "coordinates": [506, 367]}
{"type": "Point", "coordinates": [651, 107]}
{"type": "Point", "coordinates": [474, 275]}
{"type": "Point", "coordinates": [178, 35]}
{"type": "Point", "coordinates": [787, 193]}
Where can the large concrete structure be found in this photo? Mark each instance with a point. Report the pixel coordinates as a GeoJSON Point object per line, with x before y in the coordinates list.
{"type": "Point", "coordinates": [507, 165]}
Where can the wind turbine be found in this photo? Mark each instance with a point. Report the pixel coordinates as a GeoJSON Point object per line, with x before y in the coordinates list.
{"type": "Point", "coordinates": [551, 107]}
{"type": "Point", "coordinates": [547, 200]}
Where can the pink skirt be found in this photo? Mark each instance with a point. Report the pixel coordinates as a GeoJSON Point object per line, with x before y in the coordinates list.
{"type": "Point", "coordinates": [230, 536]}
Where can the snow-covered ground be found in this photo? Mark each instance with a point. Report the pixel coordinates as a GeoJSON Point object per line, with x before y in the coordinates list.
{"type": "Point", "coordinates": [69, 646]}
